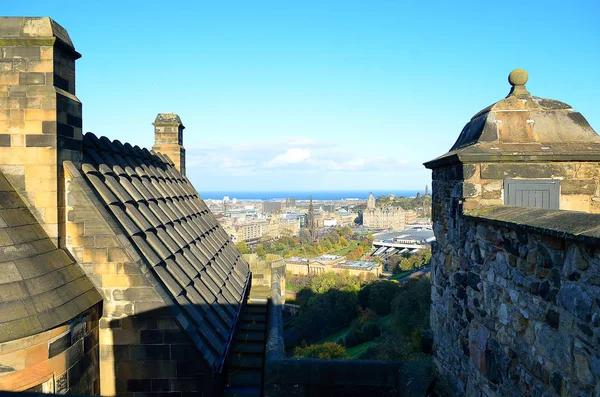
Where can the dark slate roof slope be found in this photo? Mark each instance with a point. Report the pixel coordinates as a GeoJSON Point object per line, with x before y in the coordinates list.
{"type": "Point", "coordinates": [41, 287]}
{"type": "Point", "coordinates": [178, 236]}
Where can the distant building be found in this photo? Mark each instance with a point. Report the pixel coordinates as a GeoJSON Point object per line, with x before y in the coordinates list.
{"type": "Point", "coordinates": [410, 217]}
{"type": "Point", "coordinates": [252, 231]}
{"type": "Point", "coordinates": [290, 202]}
{"type": "Point", "coordinates": [328, 207]}
{"type": "Point", "coordinates": [393, 218]}
{"type": "Point", "coordinates": [358, 268]}
{"type": "Point", "coordinates": [271, 206]}
{"type": "Point", "coordinates": [331, 263]}
{"type": "Point", "coordinates": [407, 241]}
{"type": "Point", "coordinates": [283, 227]}
{"type": "Point", "coordinates": [249, 230]}
{"type": "Point", "coordinates": [330, 222]}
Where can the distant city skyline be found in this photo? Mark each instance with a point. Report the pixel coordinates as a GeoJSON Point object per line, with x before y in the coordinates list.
{"type": "Point", "coordinates": [317, 95]}
{"type": "Point", "coordinates": [305, 195]}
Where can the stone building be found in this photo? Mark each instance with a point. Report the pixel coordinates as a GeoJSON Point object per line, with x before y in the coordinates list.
{"type": "Point", "coordinates": [283, 227]}
{"type": "Point", "coordinates": [393, 218]}
{"type": "Point", "coordinates": [515, 270]}
{"type": "Point", "coordinates": [249, 231]}
{"type": "Point", "coordinates": [115, 278]}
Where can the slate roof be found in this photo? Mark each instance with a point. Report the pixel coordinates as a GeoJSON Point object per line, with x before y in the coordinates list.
{"type": "Point", "coordinates": [175, 232]}
{"type": "Point", "coordinates": [41, 287]}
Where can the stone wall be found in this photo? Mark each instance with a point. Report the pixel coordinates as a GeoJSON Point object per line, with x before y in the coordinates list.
{"type": "Point", "coordinates": [262, 271]}
{"type": "Point", "coordinates": [579, 183]}
{"type": "Point", "coordinates": [62, 360]}
{"type": "Point", "coordinates": [142, 348]}
{"type": "Point", "coordinates": [40, 116]}
{"type": "Point", "coordinates": [515, 290]}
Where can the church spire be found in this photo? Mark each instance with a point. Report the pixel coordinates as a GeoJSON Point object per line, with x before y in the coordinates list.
{"type": "Point", "coordinates": [311, 220]}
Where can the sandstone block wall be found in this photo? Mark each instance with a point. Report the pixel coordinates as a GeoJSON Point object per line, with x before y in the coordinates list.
{"type": "Point", "coordinates": [63, 360]}
{"type": "Point", "coordinates": [483, 183]}
{"type": "Point", "coordinates": [40, 116]}
{"type": "Point", "coordinates": [168, 139]}
{"type": "Point", "coordinates": [516, 310]}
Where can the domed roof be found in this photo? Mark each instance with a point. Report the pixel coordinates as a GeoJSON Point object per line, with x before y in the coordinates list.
{"type": "Point", "coordinates": [523, 125]}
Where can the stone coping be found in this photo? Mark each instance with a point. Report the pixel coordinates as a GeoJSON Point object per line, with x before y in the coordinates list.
{"type": "Point", "coordinates": [35, 31]}
{"type": "Point", "coordinates": [571, 225]}
{"type": "Point", "coordinates": [511, 153]}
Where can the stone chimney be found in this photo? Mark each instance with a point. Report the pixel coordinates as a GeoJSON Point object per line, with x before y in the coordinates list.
{"type": "Point", "coordinates": [40, 116]}
{"type": "Point", "coordinates": [168, 138]}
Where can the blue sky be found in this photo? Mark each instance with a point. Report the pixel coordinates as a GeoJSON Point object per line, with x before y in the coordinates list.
{"type": "Point", "coordinates": [319, 95]}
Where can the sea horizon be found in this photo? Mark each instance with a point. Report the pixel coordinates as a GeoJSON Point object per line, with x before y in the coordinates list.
{"type": "Point", "coordinates": [305, 195]}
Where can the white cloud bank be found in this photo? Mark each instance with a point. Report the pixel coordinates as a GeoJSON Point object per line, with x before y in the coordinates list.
{"type": "Point", "coordinates": [291, 156]}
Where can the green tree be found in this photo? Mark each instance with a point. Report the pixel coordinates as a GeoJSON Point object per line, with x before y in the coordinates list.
{"type": "Point", "coordinates": [260, 250]}
{"type": "Point", "coordinates": [327, 350]}
{"type": "Point", "coordinates": [242, 247]}
{"type": "Point", "coordinates": [381, 295]}
{"type": "Point", "coordinates": [410, 307]}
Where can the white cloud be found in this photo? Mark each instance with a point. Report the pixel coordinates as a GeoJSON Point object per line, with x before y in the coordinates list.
{"type": "Point", "coordinates": [291, 156]}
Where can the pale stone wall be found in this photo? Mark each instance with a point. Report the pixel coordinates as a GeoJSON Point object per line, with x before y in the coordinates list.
{"type": "Point", "coordinates": [515, 310]}
{"type": "Point", "coordinates": [40, 116]}
{"type": "Point", "coordinates": [385, 218]}
{"type": "Point", "coordinates": [168, 139]}
{"type": "Point", "coordinates": [579, 182]}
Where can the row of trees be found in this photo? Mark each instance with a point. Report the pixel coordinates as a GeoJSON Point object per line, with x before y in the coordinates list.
{"type": "Point", "coordinates": [406, 262]}
{"type": "Point", "coordinates": [336, 302]}
{"type": "Point", "coordinates": [303, 246]}
{"type": "Point", "coordinates": [410, 310]}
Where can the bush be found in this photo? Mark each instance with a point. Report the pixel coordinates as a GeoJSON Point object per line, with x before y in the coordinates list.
{"type": "Point", "coordinates": [410, 308]}
{"type": "Point", "coordinates": [389, 348]}
{"type": "Point", "coordinates": [327, 350]}
{"type": "Point", "coordinates": [380, 296]}
{"type": "Point", "coordinates": [369, 331]}
{"type": "Point", "coordinates": [326, 313]}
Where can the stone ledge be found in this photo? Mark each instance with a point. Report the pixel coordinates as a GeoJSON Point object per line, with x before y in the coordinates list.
{"type": "Point", "coordinates": [35, 31]}
{"type": "Point", "coordinates": [572, 225]}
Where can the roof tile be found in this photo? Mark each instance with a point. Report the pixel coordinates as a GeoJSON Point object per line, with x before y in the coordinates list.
{"type": "Point", "coordinates": [176, 234]}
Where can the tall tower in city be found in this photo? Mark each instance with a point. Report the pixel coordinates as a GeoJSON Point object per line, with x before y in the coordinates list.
{"type": "Point", "coordinates": [371, 201]}
{"type": "Point", "coordinates": [426, 190]}
{"type": "Point", "coordinates": [311, 220]}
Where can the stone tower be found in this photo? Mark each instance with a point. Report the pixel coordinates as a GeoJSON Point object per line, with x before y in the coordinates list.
{"type": "Point", "coordinates": [371, 201]}
{"type": "Point", "coordinates": [40, 116]}
{"type": "Point", "coordinates": [168, 138]}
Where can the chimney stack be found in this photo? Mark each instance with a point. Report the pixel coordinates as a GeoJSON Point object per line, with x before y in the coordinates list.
{"type": "Point", "coordinates": [40, 116]}
{"type": "Point", "coordinates": [168, 138]}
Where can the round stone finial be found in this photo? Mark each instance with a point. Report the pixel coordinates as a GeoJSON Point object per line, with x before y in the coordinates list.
{"type": "Point", "coordinates": [518, 77]}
